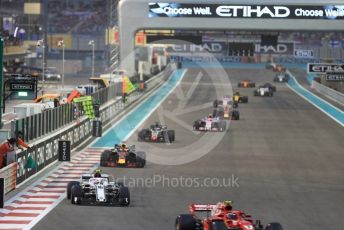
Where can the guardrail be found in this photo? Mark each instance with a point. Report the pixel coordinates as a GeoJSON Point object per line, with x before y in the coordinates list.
{"type": "Point", "coordinates": [50, 120]}
{"type": "Point", "coordinates": [9, 173]}
{"type": "Point", "coordinates": [45, 152]}
{"type": "Point", "coordinates": [333, 94]}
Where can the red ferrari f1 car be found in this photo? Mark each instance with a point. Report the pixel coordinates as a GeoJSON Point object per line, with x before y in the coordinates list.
{"type": "Point", "coordinates": [123, 156]}
{"type": "Point", "coordinates": [220, 216]}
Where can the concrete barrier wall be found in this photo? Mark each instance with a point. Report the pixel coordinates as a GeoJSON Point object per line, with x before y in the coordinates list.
{"type": "Point", "coordinates": [9, 173]}
{"type": "Point", "coordinates": [331, 93]}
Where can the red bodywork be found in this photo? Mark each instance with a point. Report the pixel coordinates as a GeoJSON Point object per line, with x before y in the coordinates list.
{"type": "Point", "coordinates": [279, 69]}
{"type": "Point", "coordinates": [220, 212]}
{"type": "Point", "coordinates": [246, 83]}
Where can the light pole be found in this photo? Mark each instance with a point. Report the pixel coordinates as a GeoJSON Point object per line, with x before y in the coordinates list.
{"type": "Point", "coordinates": [61, 44]}
{"type": "Point", "coordinates": [91, 43]}
{"type": "Point", "coordinates": [39, 44]}
{"type": "Point", "coordinates": [2, 96]}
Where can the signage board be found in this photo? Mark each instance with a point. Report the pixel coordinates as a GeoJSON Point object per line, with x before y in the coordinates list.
{"type": "Point", "coordinates": [64, 150]}
{"type": "Point", "coordinates": [298, 53]}
{"type": "Point", "coordinates": [323, 68]}
{"type": "Point", "coordinates": [263, 11]}
{"type": "Point", "coordinates": [335, 76]}
{"type": "Point", "coordinates": [97, 130]}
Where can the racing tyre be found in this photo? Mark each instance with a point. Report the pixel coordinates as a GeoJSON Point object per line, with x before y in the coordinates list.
{"type": "Point", "coordinates": [222, 126]}
{"type": "Point", "coordinates": [141, 159]}
{"type": "Point", "coordinates": [216, 103]}
{"type": "Point", "coordinates": [274, 89]}
{"type": "Point", "coordinates": [142, 135]}
{"type": "Point", "coordinates": [244, 99]}
{"type": "Point", "coordinates": [124, 196]}
{"type": "Point", "coordinates": [171, 135]}
{"type": "Point", "coordinates": [220, 114]}
{"type": "Point", "coordinates": [271, 94]}
{"type": "Point", "coordinates": [76, 194]}
{"type": "Point", "coordinates": [274, 226]}
{"type": "Point", "coordinates": [253, 85]}
{"type": "Point", "coordinates": [239, 84]}
{"type": "Point", "coordinates": [69, 188]}
{"type": "Point", "coordinates": [185, 222]}
{"type": "Point", "coordinates": [196, 125]}
{"type": "Point", "coordinates": [105, 157]}
{"type": "Point", "coordinates": [235, 115]}
{"type": "Point", "coordinates": [214, 113]}
{"type": "Point", "coordinates": [120, 184]}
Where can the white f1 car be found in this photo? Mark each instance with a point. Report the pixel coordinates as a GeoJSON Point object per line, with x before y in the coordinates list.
{"type": "Point", "coordinates": [281, 77]}
{"type": "Point", "coordinates": [97, 189]}
{"type": "Point", "coordinates": [264, 91]}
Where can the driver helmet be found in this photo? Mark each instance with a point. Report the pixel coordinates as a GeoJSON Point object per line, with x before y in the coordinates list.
{"type": "Point", "coordinates": [124, 147]}
{"type": "Point", "coordinates": [228, 205]}
{"type": "Point", "coordinates": [97, 173]}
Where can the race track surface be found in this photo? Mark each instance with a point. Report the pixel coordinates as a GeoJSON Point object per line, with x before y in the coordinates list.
{"type": "Point", "coordinates": [285, 155]}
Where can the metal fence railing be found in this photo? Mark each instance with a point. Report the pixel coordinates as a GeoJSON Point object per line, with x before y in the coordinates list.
{"type": "Point", "coordinates": [50, 120]}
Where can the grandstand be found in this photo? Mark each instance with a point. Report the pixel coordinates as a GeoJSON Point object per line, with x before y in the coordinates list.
{"type": "Point", "coordinates": [77, 17]}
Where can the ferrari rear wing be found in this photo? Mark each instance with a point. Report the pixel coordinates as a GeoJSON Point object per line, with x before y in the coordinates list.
{"type": "Point", "coordinates": [202, 208]}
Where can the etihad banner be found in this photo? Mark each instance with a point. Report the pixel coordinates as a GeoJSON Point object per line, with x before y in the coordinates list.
{"type": "Point", "coordinates": [206, 47]}
{"type": "Point", "coordinates": [286, 48]}
{"type": "Point", "coordinates": [323, 68]}
{"type": "Point", "coordinates": [222, 48]}
{"type": "Point", "coordinates": [331, 12]}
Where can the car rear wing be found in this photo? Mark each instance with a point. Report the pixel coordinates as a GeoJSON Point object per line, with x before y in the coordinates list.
{"type": "Point", "coordinates": [202, 208]}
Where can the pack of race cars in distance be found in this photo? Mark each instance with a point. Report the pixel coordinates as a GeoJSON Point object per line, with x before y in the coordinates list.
{"type": "Point", "coordinates": [156, 133]}
{"type": "Point", "coordinates": [123, 156]}
{"type": "Point", "coordinates": [97, 189]}
{"type": "Point", "coordinates": [220, 216]}
{"type": "Point", "coordinates": [224, 109]}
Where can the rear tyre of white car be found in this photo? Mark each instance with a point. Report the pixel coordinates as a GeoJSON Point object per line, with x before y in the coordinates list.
{"type": "Point", "coordinates": [69, 188]}
{"type": "Point", "coordinates": [76, 194]}
{"type": "Point", "coordinates": [124, 196]}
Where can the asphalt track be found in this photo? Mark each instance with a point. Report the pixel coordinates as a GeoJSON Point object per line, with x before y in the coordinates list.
{"type": "Point", "coordinates": [286, 154]}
